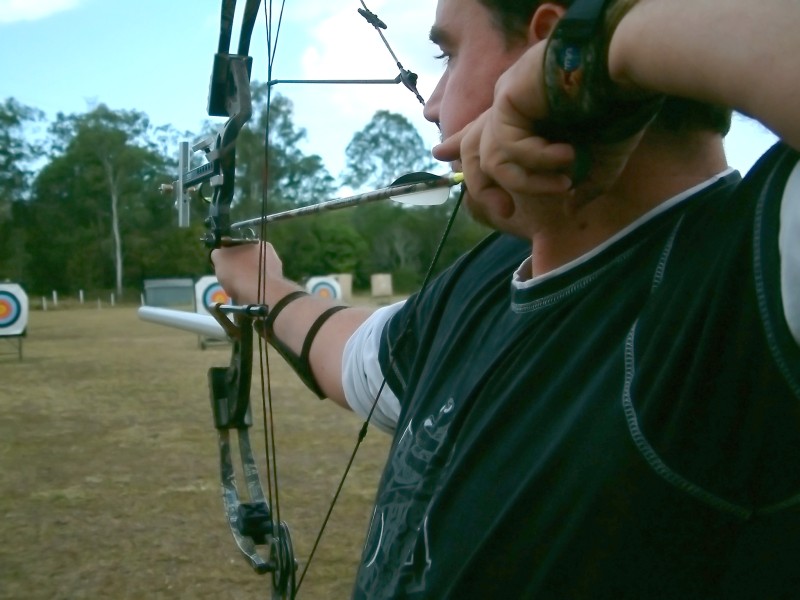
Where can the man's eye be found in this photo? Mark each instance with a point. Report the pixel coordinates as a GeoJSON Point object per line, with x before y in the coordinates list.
{"type": "Point", "coordinates": [444, 56]}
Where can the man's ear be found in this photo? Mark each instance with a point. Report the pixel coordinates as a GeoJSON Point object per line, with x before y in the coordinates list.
{"type": "Point", "coordinates": [544, 21]}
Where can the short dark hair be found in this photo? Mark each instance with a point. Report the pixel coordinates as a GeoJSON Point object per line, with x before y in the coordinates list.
{"type": "Point", "coordinates": [678, 115]}
{"type": "Point", "coordinates": [511, 17]}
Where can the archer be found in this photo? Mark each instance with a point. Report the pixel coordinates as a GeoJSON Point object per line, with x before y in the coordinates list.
{"type": "Point", "coordinates": [601, 399]}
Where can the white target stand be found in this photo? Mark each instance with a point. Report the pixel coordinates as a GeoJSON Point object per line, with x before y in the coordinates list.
{"type": "Point", "coordinates": [208, 292]}
{"type": "Point", "coordinates": [13, 315]}
{"type": "Point", "coordinates": [324, 287]}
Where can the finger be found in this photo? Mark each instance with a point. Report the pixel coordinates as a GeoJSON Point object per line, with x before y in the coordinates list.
{"type": "Point", "coordinates": [447, 151]}
{"type": "Point", "coordinates": [517, 180]}
{"type": "Point", "coordinates": [485, 198]}
{"type": "Point", "coordinates": [512, 167]}
{"type": "Point", "coordinates": [537, 154]}
{"type": "Point", "coordinates": [490, 204]}
{"type": "Point", "coordinates": [450, 149]}
{"type": "Point", "coordinates": [530, 166]}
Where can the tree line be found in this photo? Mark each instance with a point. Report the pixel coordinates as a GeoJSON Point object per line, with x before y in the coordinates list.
{"type": "Point", "coordinates": [80, 206]}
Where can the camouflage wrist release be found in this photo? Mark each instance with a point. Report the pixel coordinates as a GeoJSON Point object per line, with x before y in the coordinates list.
{"type": "Point", "coordinates": [585, 105]}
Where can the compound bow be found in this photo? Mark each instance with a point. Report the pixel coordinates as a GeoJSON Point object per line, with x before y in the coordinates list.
{"type": "Point", "coordinates": [256, 522]}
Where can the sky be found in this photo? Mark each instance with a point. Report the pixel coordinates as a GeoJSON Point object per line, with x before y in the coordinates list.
{"type": "Point", "coordinates": [155, 56]}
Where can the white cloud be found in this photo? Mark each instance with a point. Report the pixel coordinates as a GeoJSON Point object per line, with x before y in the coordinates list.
{"type": "Point", "coordinates": [12, 11]}
{"type": "Point", "coordinates": [310, 10]}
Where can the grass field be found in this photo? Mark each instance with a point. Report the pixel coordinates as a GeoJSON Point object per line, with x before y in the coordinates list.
{"type": "Point", "coordinates": [108, 467]}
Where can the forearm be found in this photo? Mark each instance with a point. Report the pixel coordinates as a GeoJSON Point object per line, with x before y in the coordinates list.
{"type": "Point", "coordinates": [325, 357]}
{"type": "Point", "coordinates": [238, 271]}
{"type": "Point", "coordinates": [737, 53]}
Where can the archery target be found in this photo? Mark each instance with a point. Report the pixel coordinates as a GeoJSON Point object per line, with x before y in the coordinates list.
{"type": "Point", "coordinates": [324, 287]}
{"type": "Point", "coordinates": [10, 310]}
{"type": "Point", "coordinates": [13, 309]}
{"type": "Point", "coordinates": [209, 292]}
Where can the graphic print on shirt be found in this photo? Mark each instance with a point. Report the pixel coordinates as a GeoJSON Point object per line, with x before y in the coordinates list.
{"type": "Point", "coordinates": [398, 531]}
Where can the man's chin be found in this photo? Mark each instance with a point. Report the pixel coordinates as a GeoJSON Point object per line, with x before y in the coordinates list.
{"type": "Point", "coordinates": [480, 215]}
{"type": "Point", "coordinates": [477, 212]}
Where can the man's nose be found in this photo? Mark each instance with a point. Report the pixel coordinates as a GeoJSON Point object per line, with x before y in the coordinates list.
{"type": "Point", "coordinates": [431, 108]}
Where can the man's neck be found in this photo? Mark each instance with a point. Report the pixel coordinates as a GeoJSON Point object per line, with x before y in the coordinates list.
{"type": "Point", "coordinates": [662, 167]}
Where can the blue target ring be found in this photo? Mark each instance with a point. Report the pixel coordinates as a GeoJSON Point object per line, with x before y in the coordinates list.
{"type": "Point", "coordinates": [10, 309]}
{"type": "Point", "coordinates": [215, 294]}
{"type": "Point", "coordinates": [324, 289]}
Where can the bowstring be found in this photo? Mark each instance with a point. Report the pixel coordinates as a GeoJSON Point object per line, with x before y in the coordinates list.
{"type": "Point", "coordinates": [270, 445]}
{"type": "Point", "coordinates": [405, 330]}
{"type": "Point", "coordinates": [407, 78]}
{"type": "Point", "coordinates": [269, 433]}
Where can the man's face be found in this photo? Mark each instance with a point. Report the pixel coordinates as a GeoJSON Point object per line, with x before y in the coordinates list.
{"type": "Point", "coordinates": [475, 52]}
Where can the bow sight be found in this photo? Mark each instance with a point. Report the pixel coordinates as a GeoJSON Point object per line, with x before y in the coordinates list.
{"type": "Point", "coordinates": [229, 96]}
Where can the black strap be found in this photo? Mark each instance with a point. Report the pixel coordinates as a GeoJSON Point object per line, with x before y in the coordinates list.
{"type": "Point", "coordinates": [269, 321]}
{"type": "Point", "coordinates": [312, 332]}
{"type": "Point", "coordinates": [299, 364]}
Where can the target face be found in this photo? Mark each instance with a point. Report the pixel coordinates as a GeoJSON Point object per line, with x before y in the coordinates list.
{"type": "Point", "coordinates": [10, 309]}
{"type": "Point", "coordinates": [324, 287]}
{"type": "Point", "coordinates": [214, 294]}
{"type": "Point", "coordinates": [13, 309]}
{"type": "Point", "coordinates": [208, 292]}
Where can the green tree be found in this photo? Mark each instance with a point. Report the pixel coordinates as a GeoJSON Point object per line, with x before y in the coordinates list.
{"type": "Point", "coordinates": [17, 154]}
{"type": "Point", "coordinates": [401, 239]}
{"type": "Point", "coordinates": [293, 178]}
{"type": "Point", "coordinates": [319, 245]}
{"type": "Point", "coordinates": [312, 246]}
{"type": "Point", "coordinates": [99, 188]}
{"type": "Point", "coordinates": [389, 146]}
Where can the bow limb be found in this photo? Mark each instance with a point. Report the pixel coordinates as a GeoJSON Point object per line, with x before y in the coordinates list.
{"type": "Point", "coordinates": [251, 518]}
{"type": "Point", "coordinates": [253, 523]}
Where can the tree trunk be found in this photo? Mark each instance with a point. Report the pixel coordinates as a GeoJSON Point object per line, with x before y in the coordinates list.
{"type": "Point", "coordinates": [113, 188]}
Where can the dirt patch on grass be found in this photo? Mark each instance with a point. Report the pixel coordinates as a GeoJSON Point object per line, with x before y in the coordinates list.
{"type": "Point", "coordinates": [108, 468]}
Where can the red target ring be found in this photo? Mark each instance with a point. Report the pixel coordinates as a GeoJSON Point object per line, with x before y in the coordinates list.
{"type": "Point", "coordinates": [10, 309]}
{"type": "Point", "coordinates": [215, 294]}
{"type": "Point", "coordinates": [324, 287]}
